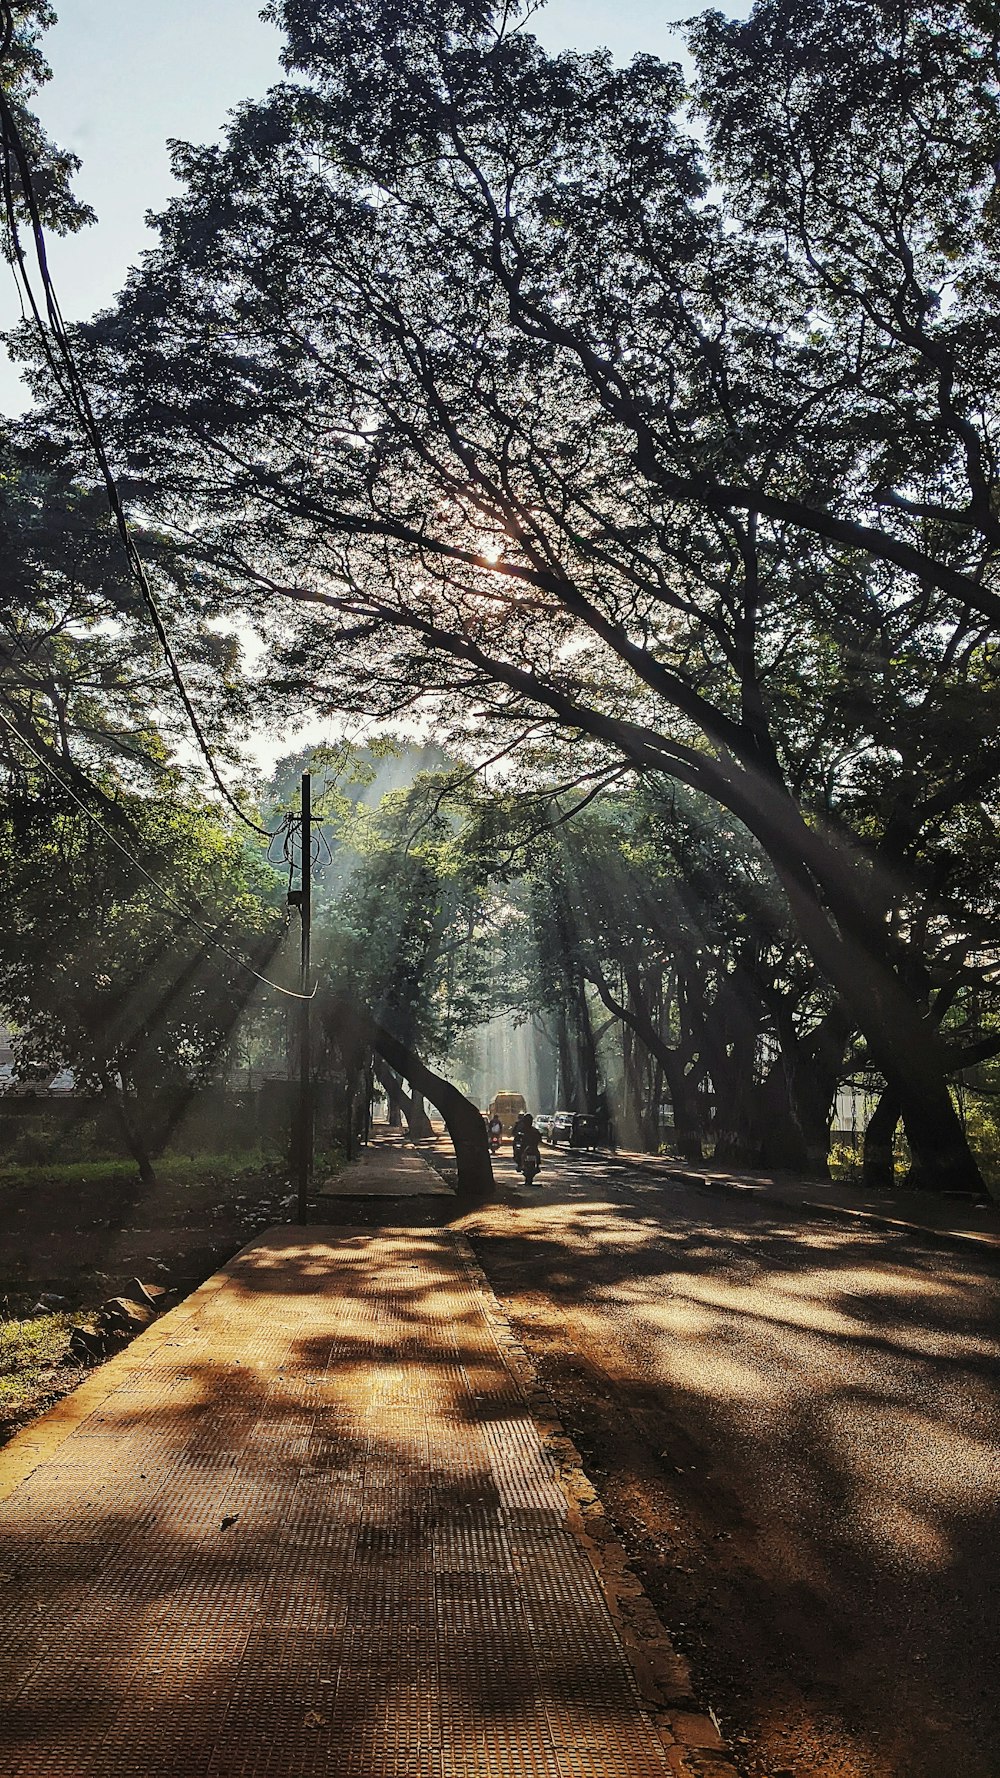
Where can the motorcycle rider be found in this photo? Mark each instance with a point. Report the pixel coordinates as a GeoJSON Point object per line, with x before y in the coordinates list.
{"type": "Point", "coordinates": [530, 1147]}
{"type": "Point", "coordinates": [495, 1130]}
{"type": "Point", "coordinates": [520, 1126]}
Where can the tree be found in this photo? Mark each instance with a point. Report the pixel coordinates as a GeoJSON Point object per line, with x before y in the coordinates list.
{"type": "Point", "coordinates": [405, 934]}
{"type": "Point", "coordinates": [82, 676]}
{"type": "Point", "coordinates": [136, 993]}
{"type": "Point", "coordinates": [397, 945]}
{"type": "Point", "coordinates": [23, 69]}
{"type": "Point", "coordinates": [448, 358]}
{"type": "Point", "coordinates": [660, 912]}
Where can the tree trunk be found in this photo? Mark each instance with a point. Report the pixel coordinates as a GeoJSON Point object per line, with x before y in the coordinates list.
{"type": "Point", "coordinates": [403, 1105]}
{"type": "Point", "coordinates": [418, 1123]}
{"type": "Point", "coordinates": [393, 1093]}
{"type": "Point", "coordinates": [684, 1102]}
{"type": "Point", "coordinates": [589, 1072]}
{"type": "Point", "coordinates": [729, 1043]}
{"type": "Point", "coordinates": [812, 1068]}
{"type": "Point", "coordinates": [567, 1061]}
{"type": "Point", "coordinates": [462, 1119]}
{"type": "Point", "coordinates": [577, 1050]}
{"type": "Point", "coordinates": [879, 1165]}
{"type": "Point", "coordinates": [635, 1019]}
{"type": "Point", "coordinates": [903, 1043]}
{"type": "Point", "coordinates": [780, 1141]}
{"type": "Point", "coordinates": [129, 1133]}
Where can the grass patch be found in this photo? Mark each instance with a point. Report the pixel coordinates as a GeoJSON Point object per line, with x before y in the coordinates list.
{"type": "Point", "coordinates": [171, 1169]}
{"type": "Point", "coordinates": [29, 1352]}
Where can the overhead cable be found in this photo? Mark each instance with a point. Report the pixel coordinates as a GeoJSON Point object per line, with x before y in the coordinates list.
{"type": "Point", "coordinates": [61, 360]}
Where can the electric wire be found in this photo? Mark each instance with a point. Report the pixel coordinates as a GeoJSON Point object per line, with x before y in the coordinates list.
{"type": "Point", "coordinates": [60, 357]}
{"type": "Point", "coordinates": [167, 897]}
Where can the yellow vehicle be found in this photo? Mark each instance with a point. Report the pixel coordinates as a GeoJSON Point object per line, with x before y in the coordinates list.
{"type": "Point", "coordinates": [508, 1108]}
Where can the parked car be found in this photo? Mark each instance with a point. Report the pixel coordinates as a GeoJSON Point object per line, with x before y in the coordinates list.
{"type": "Point", "coordinates": [578, 1129]}
{"type": "Point", "coordinates": [586, 1131]}
{"type": "Point", "coordinates": [561, 1126]}
{"type": "Point", "coordinates": [543, 1124]}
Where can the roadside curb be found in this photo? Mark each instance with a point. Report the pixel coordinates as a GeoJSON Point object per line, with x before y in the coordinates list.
{"type": "Point", "coordinates": [694, 1746]}
{"type": "Point", "coordinates": [983, 1244]}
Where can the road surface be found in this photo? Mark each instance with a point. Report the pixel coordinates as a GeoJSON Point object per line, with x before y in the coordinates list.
{"type": "Point", "coordinates": [795, 1424]}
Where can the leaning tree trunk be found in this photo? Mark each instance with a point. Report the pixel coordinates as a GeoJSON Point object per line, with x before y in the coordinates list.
{"type": "Point", "coordinates": [879, 1164]}
{"type": "Point", "coordinates": [393, 1093]}
{"type": "Point", "coordinates": [635, 1019]}
{"type": "Point", "coordinates": [463, 1120]}
{"type": "Point", "coordinates": [401, 1105]}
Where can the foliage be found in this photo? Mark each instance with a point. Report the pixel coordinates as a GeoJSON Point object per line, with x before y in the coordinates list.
{"type": "Point", "coordinates": [24, 70]}
{"type": "Point", "coordinates": [98, 973]}
{"type": "Point", "coordinates": [407, 932]}
{"type": "Point", "coordinates": [82, 677]}
{"type": "Point", "coordinates": [479, 381]}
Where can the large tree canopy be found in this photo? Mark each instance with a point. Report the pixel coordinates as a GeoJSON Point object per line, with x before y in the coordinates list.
{"type": "Point", "coordinates": [473, 375]}
{"type": "Point", "coordinates": [82, 675]}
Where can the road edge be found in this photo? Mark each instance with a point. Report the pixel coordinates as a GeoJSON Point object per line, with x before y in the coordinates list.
{"type": "Point", "coordinates": [966, 1242]}
{"type": "Point", "coordinates": [694, 1746]}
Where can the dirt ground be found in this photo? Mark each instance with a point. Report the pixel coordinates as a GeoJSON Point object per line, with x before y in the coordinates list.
{"type": "Point", "coordinates": [85, 1242]}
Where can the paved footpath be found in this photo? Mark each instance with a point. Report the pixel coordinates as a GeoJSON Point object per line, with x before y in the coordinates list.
{"type": "Point", "coordinates": [304, 1525]}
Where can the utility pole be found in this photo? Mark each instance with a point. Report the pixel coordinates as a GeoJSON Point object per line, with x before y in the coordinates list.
{"type": "Point", "coordinates": [304, 1145]}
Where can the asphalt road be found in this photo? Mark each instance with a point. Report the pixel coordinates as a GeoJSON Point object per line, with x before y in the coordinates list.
{"type": "Point", "coordinates": [794, 1423]}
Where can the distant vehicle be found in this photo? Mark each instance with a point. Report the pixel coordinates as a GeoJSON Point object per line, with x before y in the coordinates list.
{"type": "Point", "coordinates": [543, 1125]}
{"type": "Point", "coordinates": [586, 1131]}
{"type": "Point", "coordinates": [579, 1129]}
{"type": "Point", "coordinates": [508, 1107]}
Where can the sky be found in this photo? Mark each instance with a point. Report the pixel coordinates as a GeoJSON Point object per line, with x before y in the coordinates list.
{"type": "Point", "coordinates": [129, 74]}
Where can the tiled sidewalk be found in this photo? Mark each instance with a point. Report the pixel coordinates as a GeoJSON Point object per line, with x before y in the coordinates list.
{"type": "Point", "coordinates": [306, 1525]}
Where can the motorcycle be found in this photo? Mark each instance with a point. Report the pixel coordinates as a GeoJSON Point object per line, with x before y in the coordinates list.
{"type": "Point", "coordinates": [530, 1163]}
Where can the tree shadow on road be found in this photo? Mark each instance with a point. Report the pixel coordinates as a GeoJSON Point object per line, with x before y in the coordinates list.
{"type": "Point", "coordinates": [798, 1420]}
